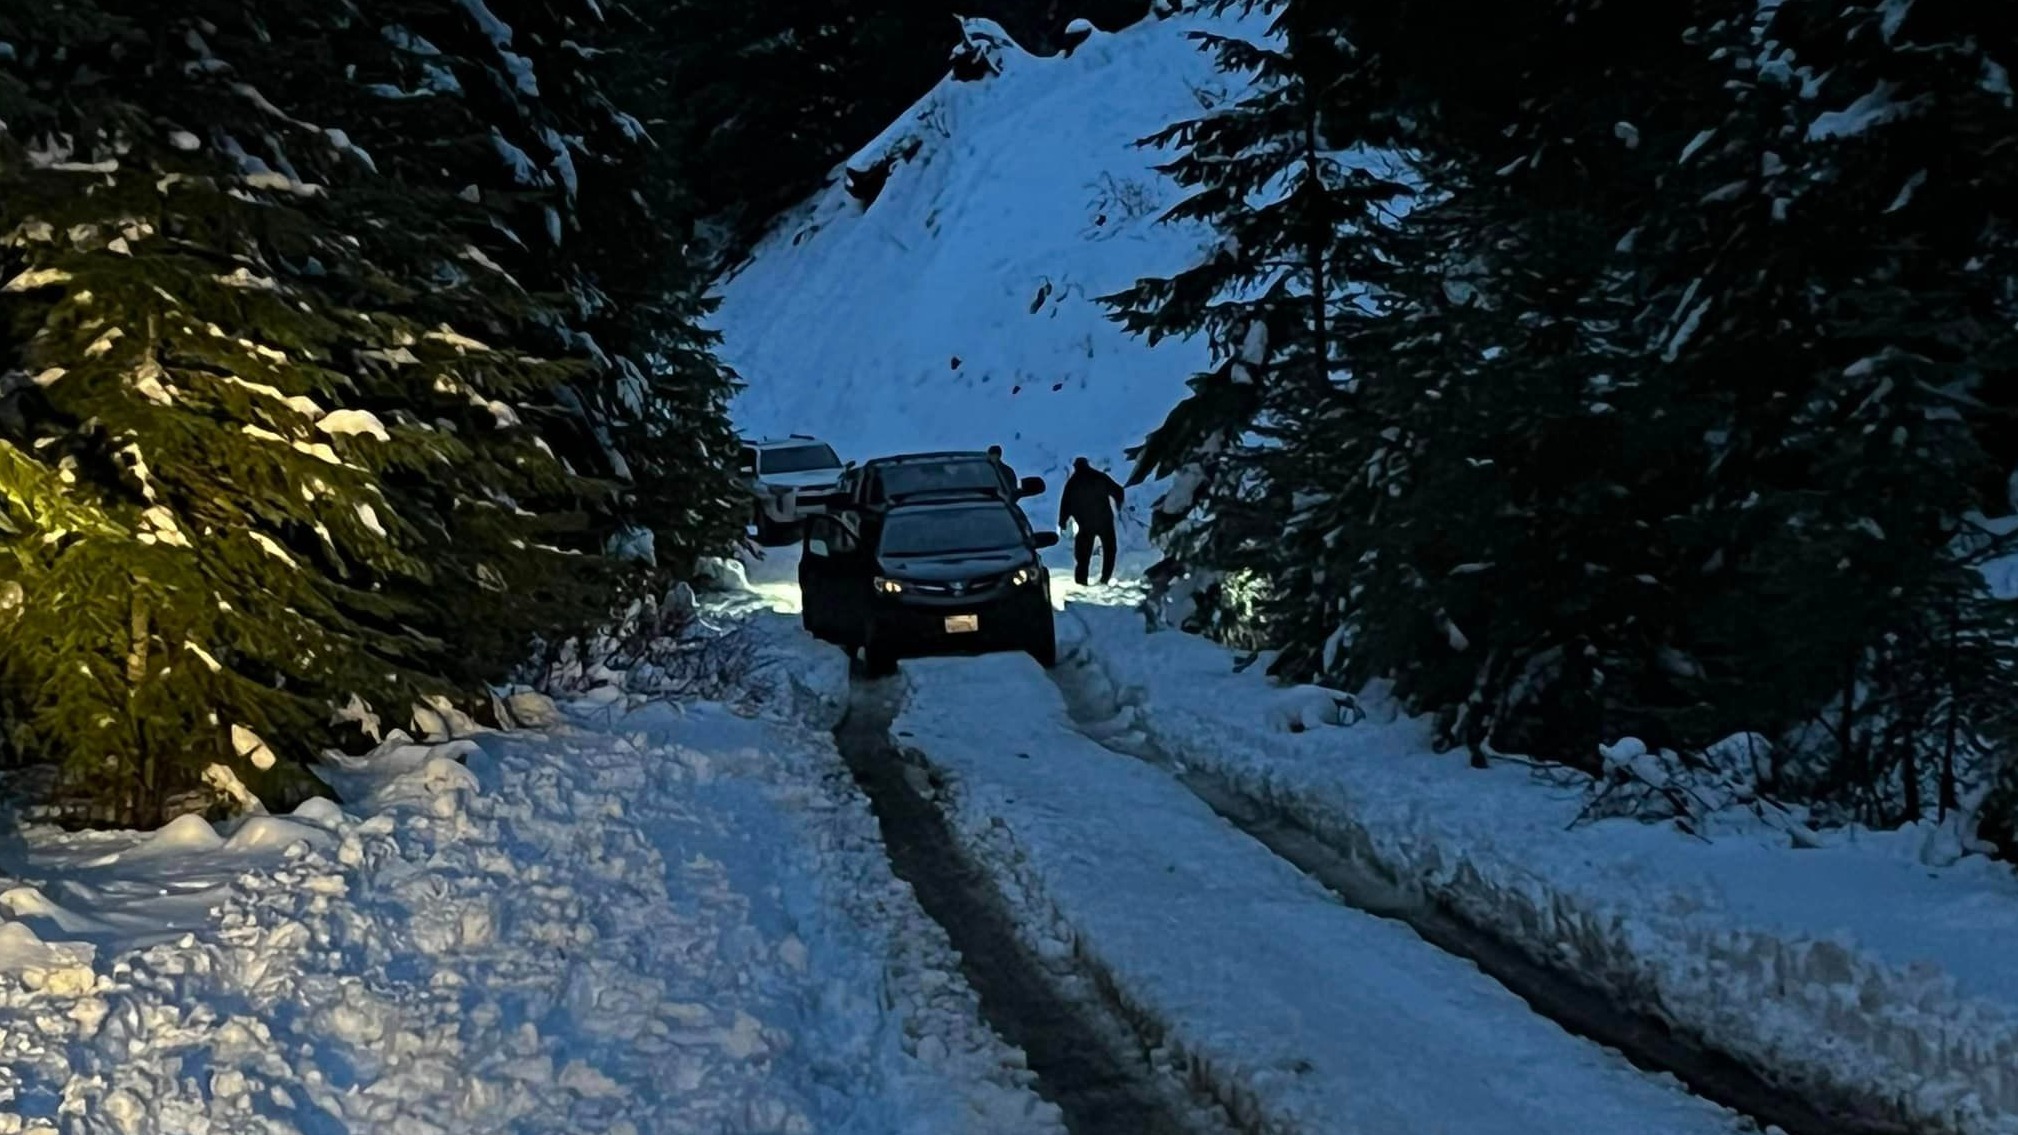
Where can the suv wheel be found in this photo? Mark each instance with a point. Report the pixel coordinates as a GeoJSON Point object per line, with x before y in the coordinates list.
{"type": "Point", "coordinates": [877, 658]}
{"type": "Point", "coordinates": [1043, 644]}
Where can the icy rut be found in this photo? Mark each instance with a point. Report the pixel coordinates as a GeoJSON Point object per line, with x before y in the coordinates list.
{"type": "Point", "coordinates": [1087, 1059]}
{"type": "Point", "coordinates": [677, 923]}
{"type": "Point", "coordinates": [1301, 1014]}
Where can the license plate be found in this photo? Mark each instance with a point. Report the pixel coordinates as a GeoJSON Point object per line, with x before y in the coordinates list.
{"type": "Point", "coordinates": [962, 624]}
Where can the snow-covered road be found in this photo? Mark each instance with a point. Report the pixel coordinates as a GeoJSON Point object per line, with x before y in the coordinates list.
{"type": "Point", "coordinates": [1299, 1013]}
{"type": "Point", "coordinates": [1722, 960]}
{"type": "Point", "coordinates": [629, 916]}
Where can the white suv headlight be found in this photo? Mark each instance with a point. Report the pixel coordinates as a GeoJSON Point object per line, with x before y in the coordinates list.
{"type": "Point", "coordinates": [1023, 576]}
{"type": "Point", "coordinates": [888, 586]}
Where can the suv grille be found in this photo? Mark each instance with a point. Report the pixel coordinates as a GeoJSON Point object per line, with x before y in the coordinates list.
{"type": "Point", "coordinates": [958, 587]}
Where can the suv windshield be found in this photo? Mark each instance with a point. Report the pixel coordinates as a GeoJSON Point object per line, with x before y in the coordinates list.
{"type": "Point", "coordinates": [950, 473]}
{"type": "Point", "coordinates": [944, 531]}
{"type": "Point", "coordinates": [798, 459]}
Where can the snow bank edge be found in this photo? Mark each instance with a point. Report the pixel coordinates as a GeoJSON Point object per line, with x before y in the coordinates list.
{"type": "Point", "coordinates": [1817, 1016]}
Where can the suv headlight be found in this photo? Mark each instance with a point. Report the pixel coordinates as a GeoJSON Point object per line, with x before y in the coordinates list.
{"type": "Point", "coordinates": [1023, 577]}
{"type": "Point", "coordinates": [887, 586]}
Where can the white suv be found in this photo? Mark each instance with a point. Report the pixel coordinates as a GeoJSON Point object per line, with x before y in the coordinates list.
{"type": "Point", "coordinates": [777, 471]}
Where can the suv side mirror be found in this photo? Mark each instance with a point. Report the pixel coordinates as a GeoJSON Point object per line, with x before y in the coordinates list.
{"type": "Point", "coordinates": [1045, 540]}
{"type": "Point", "coordinates": [1030, 487]}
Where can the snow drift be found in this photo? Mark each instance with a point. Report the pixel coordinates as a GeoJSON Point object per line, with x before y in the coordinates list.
{"type": "Point", "coordinates": [637, 919]}
{"type": "Point", "coordinates": [957, 308]}
{"type": "Point", "coordinates": [1851, 971]}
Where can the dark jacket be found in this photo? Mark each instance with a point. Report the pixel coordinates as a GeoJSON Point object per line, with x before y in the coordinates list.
{"type": "Point", "coordinates": [1089, 499]}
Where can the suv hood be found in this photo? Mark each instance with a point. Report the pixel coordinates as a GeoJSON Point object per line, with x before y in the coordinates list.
{"type": "Point", "coordinates": [963, 565]}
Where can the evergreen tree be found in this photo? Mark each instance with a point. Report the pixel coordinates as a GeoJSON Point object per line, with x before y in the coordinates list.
{"type": "Point", "coordinates": [1501, 554]}
{"type": "Point", "coordinates": [519, 107]}
{"type": "Point", "coordinates": [1589, 450]}
{"type": "Point", "coordinates": [1868, 268]}
{"type": "Point", "coordinates": [474, 116]}
{"type": "Point", "coordinates": [1672, 416]}
{"type": "Point", "coordinates": [764, 100]}
{"type": "Point", "coordinates": [179, 397]}
{"type": "Point", "coordinates": [667, 403]}
{"type": "Point", "coordinates": [296, 396]}
{"type": "Point", "coordinates": [1302, 207]}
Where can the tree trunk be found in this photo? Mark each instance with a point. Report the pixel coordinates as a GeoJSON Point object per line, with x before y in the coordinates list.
{"type": "Point", "coordinates": [1909, 772]}
{"type": "Point", "coordinates": [1848, 771]}
{"type": "Point", "coordinates": [1318, 240]}
{"type": "Point", "coordinates": [1948, 798]}
{"type": "Point", "coordinates": [143, 795]}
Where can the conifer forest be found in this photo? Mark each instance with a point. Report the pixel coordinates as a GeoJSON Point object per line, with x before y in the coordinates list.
{"type": "Point", "coordinates": [1582, 369]}
{"type": "Point", "coordinates": [349, 349]}
{"type": "Point", "coordinates": [548, 567]}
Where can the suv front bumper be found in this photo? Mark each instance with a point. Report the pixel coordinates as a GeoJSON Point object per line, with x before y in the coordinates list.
{"type": "Point", "coordinates": [923, 624]}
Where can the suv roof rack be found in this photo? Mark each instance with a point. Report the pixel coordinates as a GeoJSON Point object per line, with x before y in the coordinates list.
{"type": "Point", "coordinates": [765, 442]}
{"type": "Point", "coordinates": [936, 455]}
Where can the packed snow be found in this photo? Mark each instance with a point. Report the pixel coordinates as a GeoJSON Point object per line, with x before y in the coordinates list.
{"type": "Point", "coordinates": [1297, 1012]}
{"type": "Point", "coordinates": [628, 916]}
{"type": "Point", "coordinates": [958, 309]}
{"type": "Point", "coordinates": [1850, 967]}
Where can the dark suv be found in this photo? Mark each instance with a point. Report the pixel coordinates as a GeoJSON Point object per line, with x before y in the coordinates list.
{"type": "Point", "coordinates": [953, 572]}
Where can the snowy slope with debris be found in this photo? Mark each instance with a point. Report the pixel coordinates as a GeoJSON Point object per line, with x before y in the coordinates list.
{"type": "Point", "coordinates": [1852, 968]}
{"type": "Point", "coordinates": [959, 308]}
{"type": "Point", "coordinates": [1295, 1011]}
{"type": "Point", "coordinates": [634, 918]}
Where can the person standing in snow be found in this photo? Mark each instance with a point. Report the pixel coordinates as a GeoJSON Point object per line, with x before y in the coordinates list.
{"type": "Point", "coordinates": [1002, 467]}
{"type": "Point", "coordinates": [1088, 501]}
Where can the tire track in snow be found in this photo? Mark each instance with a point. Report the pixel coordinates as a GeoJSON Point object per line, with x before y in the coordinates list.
{"type": "Point", "coordinates": [1089, 1059]}
{"type": "Point", "coordinates": [1581, 1010]}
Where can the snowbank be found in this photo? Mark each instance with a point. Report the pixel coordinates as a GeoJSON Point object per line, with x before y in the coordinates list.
{"type": "Point", "coordinates": [1297, 1013]}
{"type": "Point", "coordinates": [656, 920]}
{"type": "Point", "coordinates": [958, 308]}
{"type": "Point", "coordinates": [1852, 970]}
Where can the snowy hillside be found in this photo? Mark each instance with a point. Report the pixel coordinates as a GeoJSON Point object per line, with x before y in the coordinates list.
{"type": "Point", "coordinates": [959, 308]}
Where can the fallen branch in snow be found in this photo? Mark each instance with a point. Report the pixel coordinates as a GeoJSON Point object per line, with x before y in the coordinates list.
{"type": "Point", "coordinates": [661, 649]}
{"type": "Point", "coordinates": [1690, 791]}
{"type": "Point", "coordinates": [1117, 203]}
